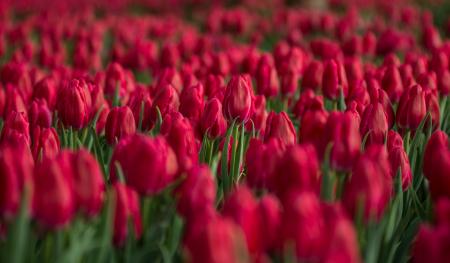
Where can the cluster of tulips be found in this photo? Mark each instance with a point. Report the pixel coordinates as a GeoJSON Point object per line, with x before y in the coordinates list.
{"type": "Point", "coordinates": [252, 133]}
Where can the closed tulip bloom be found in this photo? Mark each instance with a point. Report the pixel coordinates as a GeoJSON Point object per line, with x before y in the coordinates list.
{"type": "Point", "coordinates": [312, 125]}
{"type": "Point", "coordinates": [197, 192]}
{"type": "Point", "coordinates": [16, 171]}
{"type": "Point", "coordinates": [54, 200]}
{"type": "Point", "coordinates": [115, 79]}
{"type": "Point", "coordinates": [393, 140]}
{"type": "Point", "coordinates": [14, 102]}
{"type": "Point", "coordinates": [126, 213]}
{"type": "Point", "coordinates": [261, 160]}
{"type": "Point", "coordinates": [88, 184]}
{"type": "Point", "coordinates": [374, 122]}
{"type": "Point", "coordinates": [45, 143]}
{"type": "Point", "coordinates": [47, 90]}
{"type": "Point", "coordinates": [181, 138]}
{"type": "Point", "coordinates": [412, 108]}
{"type": "Point", "coordinates": [392, 83]}
{"type": "Point", "coordinates": [342, 131]}
{"type": "Point", "coordinates": [212, 122]}
{"type": "Point", "coordinates": [334, 80]}
{"type": "Point", "coordinates": [218, 240]}
{"type": "Point", "coordinates": [432, 102]}
{"type": "Point", "coordinates": [270, 215]}
{"type": "Point", "coordinates": [267, 81]}
{"type": "Point", "coordinates": [370, 185]}
{"type": "Point", "coordinates": [380, 95]}
{"type": "Point", "coordinates": [238, 99]}
{"type": "Point", "coordinates": [431, 38]}
{"type": "Point", "coordinates": [73, 105]}
{"type": "Point", "coordinates": [297, 170]}
{"type": "Point", "coordinates": [191, 102]}
{"type": "Point", "coordinates": [119, 124]}
{"type": "Point", "coordinates": [166, 100]}
{"type": "Point", "coordinates": [139, 99]}
{"type": "Point", "coordinates": [289, 82]}
{"type": "Point", "coordinates": [312, 77]}
{"type": "Point", "coordinates": [40, 114]}
{"type": "Point", "coordinates": [148, 164]}
{"type": "Point", "coordinates": [16, 125]}
{"type": "Point", "coordinates": [436, 164]}
{"type": "Point", "coordinates": [400, 163]}
{"type": "Point", "coordinates": [259, 116]}
{"type": "Point", "coordinates": [431, 244]}
{"type": "Point", "coordinates": [279, 126]}
{"type": "Point", "coordinates": [213, 84]}
{"type": "Point", "coordinates": [303, 226]}
{"type": "Point", "coordinates": [101, 121]}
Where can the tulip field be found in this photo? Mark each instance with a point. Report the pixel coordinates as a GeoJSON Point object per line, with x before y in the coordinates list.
{"type": "Point", "coordinates": [225, 131]}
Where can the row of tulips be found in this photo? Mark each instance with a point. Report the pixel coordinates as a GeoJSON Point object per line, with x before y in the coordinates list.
{"type": "Point", "coordinates": [230, 134]}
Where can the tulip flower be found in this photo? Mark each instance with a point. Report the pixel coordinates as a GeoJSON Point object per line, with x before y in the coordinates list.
{"type": "Point", "coordinates": [412, 108]}
{"type": "Point", "coordinates": [374, 122]}
{"type": "Point", "coordinates": [238, 100]}
{"type": "Point", "coordinates": [126, 213]}
{"type": "Point", "coordinates": [16, 125]}
{"type": "Point", "coordinates": [138, 99]}
{"type": "Point", "coordinates": [148, 164]}
{"type": "Point", "coordinates": [74, 104]}
{"type": "Point", "coordinates": [279, 126]}
{"type": "Point", "coordinates": [16, 171]}
{"type": "Point", "coordinates": [191, 102]}
{"type": "Point", "coordinates": [45, 143]}
{"type": "Point", "coordinates": [392, 83]}
{"type": "Point", "coordinates": [47, 90]}
{"type": "Point", "coordinates": [400, 163]}
{"type": "Point", "coordinates": [267, 81]}
{"type": "Point", "coordinates": [436, 163]}
{"type": "Point", "coordinates": [54, 200]}
{"type": "Point", "coordinates": [213, 122]}
{"type": "Point", "coordinates": [370, 184]}
{"type": "Point", "coordinates": [40, 114]}
{"type": "Point", "coordinates": [119, 124]}
{"type": "Point", "coordinates": [334, 80]}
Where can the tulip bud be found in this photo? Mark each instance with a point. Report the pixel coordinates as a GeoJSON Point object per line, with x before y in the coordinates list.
{"type": "Point", "coordinates": [392, 83]}
{"type": "Point", "coordinates": [16, 171]}
{"type": "Point", "coordinates": [270, 216]}
{"type": "Point", "coordinates": [138, 99]}
{"type": "Point", "coordinates": [342, 131]}
{"type": "Point", "coordinates": [45, 143]}
{"type": "Point", "coordinates": [191, 102]}
{"type": "Point", "coordinates": [166, 100]}
{"type": "Point", "coordinates": [54, 200]}
{"type": "Point", "coordinates": [148, 164]}
{"type": "Point", "coordinates": [101, 121]}
{"type": "Point", "coordinates": [289, 82]}
{"type": "Point", "coordinates": [312, 125]}
{"type": "Point", "coordinates": [436, 164]}
{"type": "Point", "coordinates": [412, 108]}
{"type": "Point", "coordinates": [46, 89]}
{"type": "Point", "coordinates": [259, 116]}
{"type": "Point", "coordinates": [370, 185]}
{"type": "Point", "coordinates": [261, 160]}
{"type": "Point", "coordinates": [197, 192]}
{"type": "Point", "coordinates": [267, 82]}
{"type": "Point", "coordinates": [279, 126]}
{"type": "Point", "coordinates": [312, 77]}
{"type": "Point", "coordinates": [88, 184]}
{"type": "Point", "coordinates": [119, 124]}
{"type": "Point", "coordinates": [181, 138]}
{"type": "Point", "coordinates": [73, 105]}
{"type": "Point", "coordinates": [399, 162]}
{"type": "Point", "coordinates": [213, 84]}
{"type": "Point", "coordinates": [212, 122]}
{"type": "Point", "coordinates": [126, 213]}
{"type": "Point", "coordinates": [393, 140]}
{"type": "Point", "coordinates": [15, 125]}
{"type": "Point", "coordinates": [40, 114]}
{"type": "Point", "coordinates": [297, 170]}
{"type": "Point", "coordinates": [431, 38]}
{"type": "Point", "coordinates": [228, 242]}
{"type": "Point", "coordinates": [334, 80]}
{"type": "Point", "coordinates": [374, 122]}
{"type": "Point", "coordinates": [14, 102]}
{"type": "Point", "coordinates": [115, 80]}
{"type": "Point", "coordinates": [238, 99]}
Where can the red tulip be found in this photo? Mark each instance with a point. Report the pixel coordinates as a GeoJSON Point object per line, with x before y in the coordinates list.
{"type": "Point", "coordinates": [436, 164]}
{"type": "Point", "coordinates": [40, 114]}
{"type": "Point", "coordinates": [54, 200]}
{"type": "Point", "coordinates": [400, 163]}
{"type": "Point", "coordinates": [46, 89]}
{"type": "Point", "coordinates": [342, 131]}
{"type": "Point", "coordinates": [14, 102]}
{"type": "Point", "coordinates": [148, 164]}
{"type": "Point", "coordinates": [45, 143]}
{"type": "Point", "coordinates": [242, 207]}
{"type": "Point", "coordinates": [16, 170]}
{"type": "Point", "coordinates": [370, 184]}
{"type": "Point", "coordinates": [15, 125]}
{"type": "Point", "coordinates": [74, 104]}
{"type": "Point", "coordinates": [238, 100]}
{"type": "Point", "coordinates": [270, 214]}
{"type": "Point", "coordinates": [212, 121]}
{"type": "Point", "coordinates": [279, 126]}
{"type": "Point", "coordinates": [374, 122]}
{"type": "Point", "coordinates": [180, 136]}
{"type": "Point", "coordinates": [126, 213]}
{"type": "Point", "coordinates": [392, 83]}
{"type": "Point", "coordinates": [138, 99]}
{"type": "Point", "coordinates": [312, 77]}
{"type": "Point", "coordinates": [259, 116]}
{"type": "Point", "coordinates": [191, 102]}
{"type": "Point", "coordinates": [197, 192]}
{"type": "Point", "coordinates": [312, 126]}
{"type": "Point", "coordinates": [119, 124]}
{"type": "Point", "coordinates": [334, 80]}
{"type": "Point", "coordinates": [166, 100]}
{"type": "Point", "coordinates": [267, 82]}
{"type": "Point", "coordinates": [412, 108]}
{"type": "Point", "coordinates": [393, 140]}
